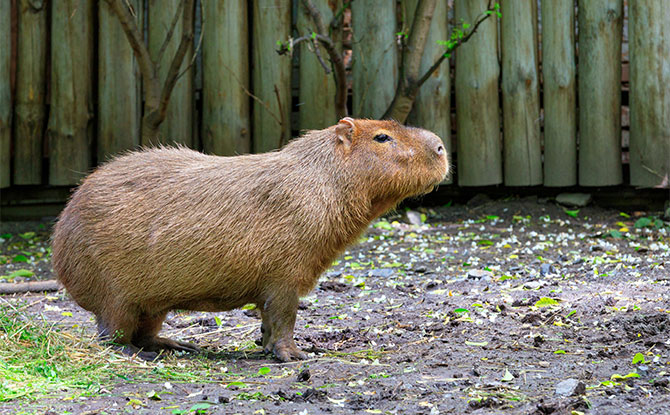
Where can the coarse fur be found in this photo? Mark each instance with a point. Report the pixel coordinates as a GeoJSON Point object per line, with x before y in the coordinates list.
{"type": "Point", "coordinates": [170, 228]}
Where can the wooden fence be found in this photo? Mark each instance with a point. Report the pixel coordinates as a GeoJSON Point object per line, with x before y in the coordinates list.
{"type": "Point", "coordinates": [547, 95]}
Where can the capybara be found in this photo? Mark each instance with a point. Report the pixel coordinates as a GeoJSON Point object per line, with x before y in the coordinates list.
{"type": "Point", "coordinates": [170, 228]}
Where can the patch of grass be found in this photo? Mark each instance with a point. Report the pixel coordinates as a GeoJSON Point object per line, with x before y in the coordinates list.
{"type": "Point", "coordinates": [40, 359]}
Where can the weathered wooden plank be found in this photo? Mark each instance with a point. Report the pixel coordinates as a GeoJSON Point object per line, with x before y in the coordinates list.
{"type": "Point", "coordinates": [119, 93]}
{"type": "Point", "coordinates": [599, 89]}
{"type": "Point", "coordinates": [71, 105]}
{"type": "Point", "coordinates": [178, 125]}
{"type": "Point", "coordinates": [316, 88]}
{"type": "Point", "coordinates": [375, 57]}
{"type": "Point", "coordinates": [271, 75]}
{"type": "Point", "coordinates": [29, 105]}
{"type": "Point", "coordinates": [432, 107]}
{"type": "Point", "coordinates": [225, 61]}
{"type": "Point", "coordinates": [560, 94]}
{"type": "Point", "coordinates": [520, 95]}
{"type": "Point", "coordinates": [5, 93]}
{"type": "Point", "coordinates": [479, 150]}
{"type": "Point", "coordinates": [649, 32]}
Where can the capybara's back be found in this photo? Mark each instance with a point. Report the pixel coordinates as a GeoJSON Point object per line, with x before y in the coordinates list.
{"type": "Point", "coordinates": [171, 228]}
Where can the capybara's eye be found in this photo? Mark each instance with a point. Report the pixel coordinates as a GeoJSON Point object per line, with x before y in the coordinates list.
{"type": "Point", "coordinates": [382, 138]}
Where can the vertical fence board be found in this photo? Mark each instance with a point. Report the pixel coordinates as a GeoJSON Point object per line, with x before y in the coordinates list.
{"type": "Point", "coordinates": [5, 92]}
{"type": "Point", "coordinates": [600, 27]}
{"type": "Point", "coordinates": [375, 57]}
{"type": "Point", "coordinates": [316, 88]}
{"type": "Point", "coordinates": [432, 108]}
{"type": "Point", "coordinates": [119, 92]}
{"type": "Point", "coordinates": [178, 124]}
{"type": "Point", "coordinates": [71, 104]}
{"type": "Point", "coordinates": [477, 115]}
{"type": "Point", "coordinates": [558, 71]}
{"type": "Point", "coordinates": [649, 32]}
{"type": "Point", "coordinates": [225, 61]}
{"type": "Point", "coordinates": [29, 110]}
{"type": "Point", "coordinates": [271, 75]}
{"type": "Point", "coordinates": [520, 95]}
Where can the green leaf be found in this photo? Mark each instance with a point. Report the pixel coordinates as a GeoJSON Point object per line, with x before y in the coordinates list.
{"type": "Point", "coordinates": [638, 358]}
{"type": "Point", "coordinates": [545, 302]}
{"type": "Point", "coordinates": [625, 215]}
{"type": "Point", "coordinates": [628, 376]}
{"type": "Point", "coordinates": [218, 321]}
{"type": "Point", "coordinates": [382, 224]}
{"type": "Point", "coordinates": [249, 307]}
{"type": "Point", "coordinates": [559, 351]}
{"type": "Point", "coordinates": [237, 383]}
{"type": "Point", "coordinates": [153, 395]}
{"type": "Point", "coordinates": [21, 273]}
{"type": "Point", "coordinates": [485, 242]}
{"type": "Point", "coordinates": [508, 376]}
{"type": "Point", "coordinates": [313, 35]}
{"type": "Point", "coordinates": [461, 310]}
{"type": "Point", "coordinates": [263, 371]}
{"type": "Point", "coordinates": [572, 213]}
{"type": "Point", "coordinates": [20, 258]}
{"type": "Point", "coordinates": [199, 407]}
{"type": "Point", "coordinates": [643, 222]}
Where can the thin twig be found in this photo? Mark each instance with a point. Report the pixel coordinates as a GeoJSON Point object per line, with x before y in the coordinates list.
{"type": "Point", "coordinates": [480, 19]}
{"type": "Point", "coordinates": [186, 39]}
{"type": "Point", "coordinates": [168, 36]}
{"type": "Point", "coordinates": [197, 48]}
{"type": "Point", "coordinates": [254, 97]}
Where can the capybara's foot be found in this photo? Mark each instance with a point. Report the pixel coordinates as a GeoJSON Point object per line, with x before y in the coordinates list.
{"type": "Point", "coordinates": [286, 351]}
{"type": "Point", "coordinates": [130, 350]}
{"type": "Point", "coordinates": [161, 343]}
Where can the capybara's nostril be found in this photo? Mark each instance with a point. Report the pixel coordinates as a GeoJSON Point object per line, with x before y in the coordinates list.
{"type": "Point", "coordinates": [440, 150]}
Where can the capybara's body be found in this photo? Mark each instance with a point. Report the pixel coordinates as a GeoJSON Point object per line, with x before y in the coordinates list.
{"type": "Point", "coordinates": [171, 228]}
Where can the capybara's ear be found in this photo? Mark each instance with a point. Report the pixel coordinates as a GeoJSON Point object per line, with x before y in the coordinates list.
{"type": "Point", "coordinates": [345, 130]}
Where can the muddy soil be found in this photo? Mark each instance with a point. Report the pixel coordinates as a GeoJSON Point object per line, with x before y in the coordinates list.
{"type": "Point", "coordinates": [511, 306]}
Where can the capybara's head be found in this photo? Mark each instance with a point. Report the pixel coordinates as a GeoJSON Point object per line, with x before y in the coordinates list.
{"type": "Point", "coordinates": [392, 161]}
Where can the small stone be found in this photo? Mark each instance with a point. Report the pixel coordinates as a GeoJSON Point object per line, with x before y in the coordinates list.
{"type": "Point", "coordinates": [546, 269]}
{"type": "Point", "coordinates": [570, 387]}
{"type": "Point", "coordinates": [479, 274]}
{"type": "Point", "coordinates": [574, 199]}
{"type": "Point", "coordinates": [533, 285]}
{"type": "Point", "coordinates": [380, 272]}
{"type": "Point", "coordinates": [643, 370]}
{"type": "Point", "coordinates": [414, 217]}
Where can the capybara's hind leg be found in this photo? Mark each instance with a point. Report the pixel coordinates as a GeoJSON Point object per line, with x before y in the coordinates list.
{"type": "Point", "coordinates": [119, 328]}
{"type": "Point", "coordinates": [146, 336]}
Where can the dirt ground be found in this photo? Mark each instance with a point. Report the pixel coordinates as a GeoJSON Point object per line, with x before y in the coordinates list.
{"type": "Point", "coordinates": [516, 306]}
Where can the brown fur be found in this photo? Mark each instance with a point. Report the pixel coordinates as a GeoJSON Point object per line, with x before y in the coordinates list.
{"type": "Point", "coordinates": [171, 228]}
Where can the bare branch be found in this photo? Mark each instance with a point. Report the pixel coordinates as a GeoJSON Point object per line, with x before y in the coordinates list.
{"type": "Point", "coordinates": [290, 46]}
{"type": "Point", "coordinates": [134, 36]}
{"type": "Point", "coordinates": [169, 34]}
{"type": "Point", "coordinates": [480, 19]}
{"type": "Point", "coordinates": [177, 60]}
{"type": "Point", "coordinates": [335, 58]}
{"type": "Point", "coordinates": [197, 48]}
{"type": "Point", "coordinates": [32, 286]}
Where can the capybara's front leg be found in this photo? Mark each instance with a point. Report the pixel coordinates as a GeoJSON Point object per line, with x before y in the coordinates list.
{"type": "Point", "coordinates": [279, 314]}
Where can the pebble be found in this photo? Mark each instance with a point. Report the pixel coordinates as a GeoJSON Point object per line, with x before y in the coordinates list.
{"type": "Point", "coordinates": [480, 274]}
{"type": "Point", "coordinates": [570, 387]}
